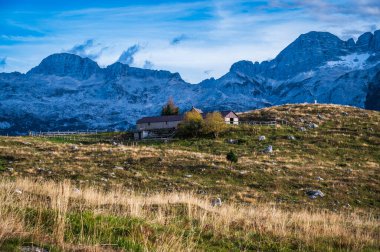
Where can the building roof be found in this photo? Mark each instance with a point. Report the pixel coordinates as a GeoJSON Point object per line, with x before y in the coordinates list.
{"type": "Point", "coordinates": [196, 109]}
{"type": "Point", "coordinates": [176, 118]}
{"type": "Point", "coordinates": [226, 112]}
{"type": "Point", "coordinates": [167, 118]}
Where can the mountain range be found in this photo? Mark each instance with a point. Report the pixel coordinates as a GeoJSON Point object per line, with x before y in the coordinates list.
{"type": "Point", "coordinates": [68, 92]}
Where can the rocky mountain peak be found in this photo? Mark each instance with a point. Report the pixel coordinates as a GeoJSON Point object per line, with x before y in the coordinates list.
{"type": "Point", "coordinates": [308, 51]}
{"type": "Point", "coordinates": [115, 70]}
{"type": "Point", "coordinates": [245, 67]}
{"type": "Point", "coordinates": [66, 64]}
{"type": "Point", "coordinates": [364, 41]}
{"type": "Point", "coordinates": [375, 43]}
{"type": "Point", "coordinates": [350, 43]}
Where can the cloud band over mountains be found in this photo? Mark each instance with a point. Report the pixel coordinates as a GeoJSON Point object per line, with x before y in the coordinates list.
{"type": "Point", "coordinates": [236, 29]}
{"type": "Point", "coordinates": [127, 56]}
{"type": "Point", "coordinates": [88, 49]}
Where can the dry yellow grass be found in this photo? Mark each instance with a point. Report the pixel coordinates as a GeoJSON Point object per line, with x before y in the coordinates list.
{"type": "Point", "coordinates": [345, 230]}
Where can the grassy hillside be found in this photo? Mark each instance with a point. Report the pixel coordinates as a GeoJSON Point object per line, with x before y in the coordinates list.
{"type": "Point", "coordinates": [61, 217]}
{"type": "Point", "coordinates": [334, 149]}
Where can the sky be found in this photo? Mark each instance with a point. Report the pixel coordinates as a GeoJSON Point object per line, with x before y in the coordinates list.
{"type": "Point", "coordinates": [198, 39]}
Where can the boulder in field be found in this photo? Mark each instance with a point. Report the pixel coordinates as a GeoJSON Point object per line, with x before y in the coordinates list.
{"type": "Point", "coordinates": [262, 138]}
{"type": "Point", "coordinates": [216, 202]}
{"type": "Point", "coordinates": [313, 126]}
{"type": "Point", "coordinates": [291, 137]}
{"type": "Point", "coordinates": [74, 147]}
{"type": "Point", "coordinates": [268, 149]}
{"type": "Point", "coordinates": [313, 194]}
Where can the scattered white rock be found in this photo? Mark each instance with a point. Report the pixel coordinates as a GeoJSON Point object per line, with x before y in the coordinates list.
{"type": "Point", "coordinates": [320, 179]}
{"type": "Point", "coordinates": [114, 144]}
{"type": "Point", "coordinates": [18, 191]}
{"type": "Point", "coordinates": [119, 168]}
{"type": "Point", "coordinates": [268, 149]}
{"type": "Point", "coordinates": [303, 129]}
{"type": "Point", "coordinates": [243, 172]}
{"type": "Point", "coordinates": [33, 248]}
{"type": "Point", "coordinates": [216, 202]}
{"type": "Point", "coordinates": [313, 126]}
{"type": "Point", "coordinates": [232, 141]}
{"type": "Point", "coordinates": [291, 137]}
{"type": "Point", "coordinates": [344, 114]}
{"type": "Point", "coordinates": [188, 176]}
{"type": "Point", "coordinates": [112, 174]}
{"type": "Point", "coordinates": [10, 169]}
{"type": "Point", "coordinates": [26, 143]}
{"type": "Point", "coordinates": [74, 147]}
{"type": "Point", "coordinates": [262, 138]}
{"type": "Point", "coordinates": [313, 194]}
{"type": "Point", "coordinates": [320, 117]}
{"type": "Point", "coordinates": [76, 190]}
{"type": "Point", "coordinates": [104, 179]}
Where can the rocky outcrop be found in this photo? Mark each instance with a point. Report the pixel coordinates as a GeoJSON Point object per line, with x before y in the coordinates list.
{"type": "Point", "coordinates": [66, 64]}
{"type": "Point", "coordinates": [373, 95]}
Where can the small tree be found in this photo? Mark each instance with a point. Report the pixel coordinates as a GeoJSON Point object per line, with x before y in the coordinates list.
{"type": "Point", "coordinates": [170, 108]}
{"type": "Point", "coordinates": [191, 125]}
{"type": "Point", "coordinates": [232, 157]}
{"type": "Point", "coordinates": [214, 124]}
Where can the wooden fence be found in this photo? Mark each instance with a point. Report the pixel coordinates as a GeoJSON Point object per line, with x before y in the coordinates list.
{"type": "Point", "coordinates": [65, 133]}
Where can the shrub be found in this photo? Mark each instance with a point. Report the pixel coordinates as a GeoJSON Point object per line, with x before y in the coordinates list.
{"type": "Point", "coordinates": [214, 124]}
{"type": "Point", "coordinates": [232, 157]}
{"type": "Point", "coordinates": [170, 108]}
{"type": "Point", "coordinates": [191, 125]}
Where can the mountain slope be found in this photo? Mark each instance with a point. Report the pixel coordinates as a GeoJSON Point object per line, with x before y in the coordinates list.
{"type": "Point", "coordinates": [66, 92]}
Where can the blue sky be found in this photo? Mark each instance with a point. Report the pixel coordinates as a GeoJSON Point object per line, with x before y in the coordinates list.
{"type": "Point", "coordinates": [198, 39]}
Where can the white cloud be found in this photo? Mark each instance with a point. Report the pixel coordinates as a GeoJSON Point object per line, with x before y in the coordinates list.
{"type": "Point", "coordinates": [127, 56]}
{"type": "Point", "coordinates": [88, 49]}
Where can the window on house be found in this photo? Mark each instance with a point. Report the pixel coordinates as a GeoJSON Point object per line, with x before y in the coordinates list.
{"type": "Point", "coordinates": [149, 124]}
{"type": "Point", "coordinates": [231, 121]}
{"type": "Point", "coordinates": [166, 122]}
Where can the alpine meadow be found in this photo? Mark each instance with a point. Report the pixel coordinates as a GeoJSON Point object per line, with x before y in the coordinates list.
{"type": "Point", "coordinates": [232, 125]}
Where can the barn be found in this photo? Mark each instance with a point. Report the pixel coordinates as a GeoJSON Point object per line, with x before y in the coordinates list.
{"type": "Point", "coordinates": [147, 126]}
{"type": "Point", "coordinates": [159, 122]}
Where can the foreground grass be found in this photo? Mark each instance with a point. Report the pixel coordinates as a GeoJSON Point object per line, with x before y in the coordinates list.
{"type": "Point", "coordinates": [61, 217]}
